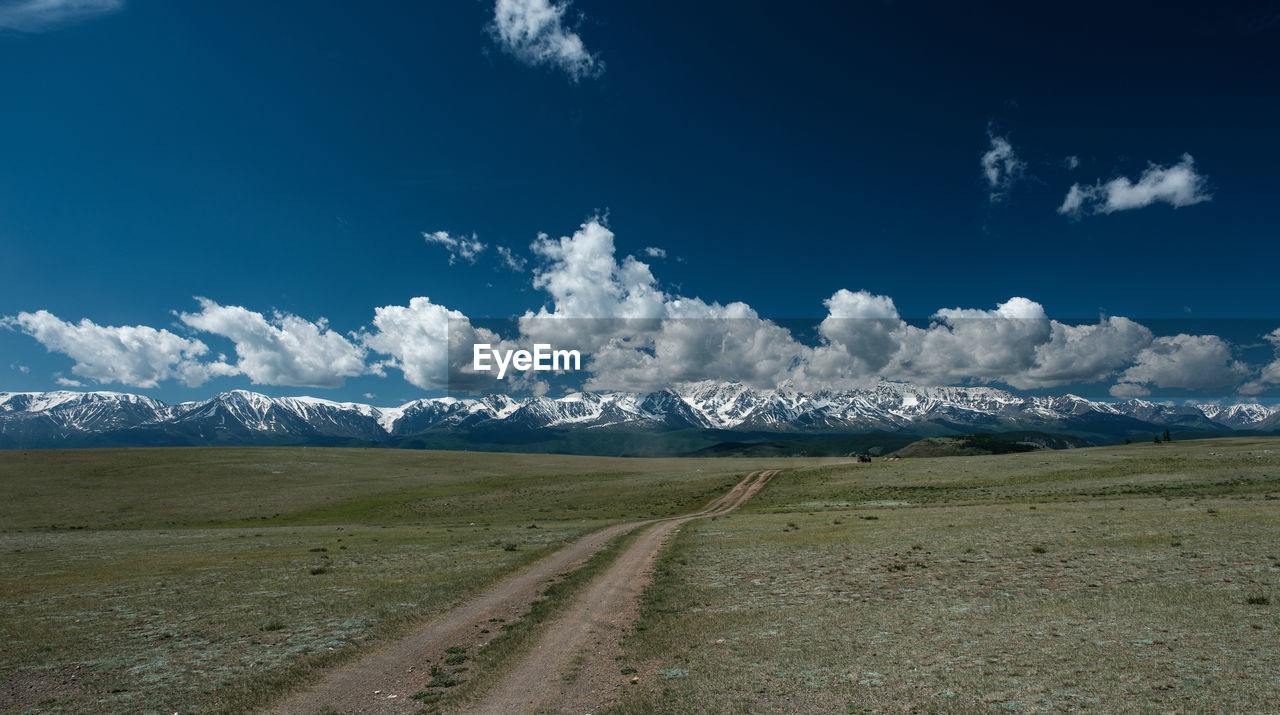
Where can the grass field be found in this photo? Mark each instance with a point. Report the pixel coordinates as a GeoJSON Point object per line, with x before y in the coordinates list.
{"type": "Point", "coordinates": [1135, 577]}
{"type": "Point", "coordinates": [212, 579]}
{"type": "Point", "coordinates": [1141, 577]}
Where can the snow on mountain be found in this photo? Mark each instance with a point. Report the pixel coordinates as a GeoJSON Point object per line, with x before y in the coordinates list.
{"type": "Point", "coordinates": [45, 418]}
{"type": "Point", "coordinates": [1249, 415]}
{"type": "Point", "coordinates": [77, 411]}
{"type": "Point", "coordinates": [580, 407]}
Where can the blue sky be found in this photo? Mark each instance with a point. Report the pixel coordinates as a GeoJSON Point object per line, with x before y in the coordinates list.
{"type": "Point", "coordinates": [197, 197]}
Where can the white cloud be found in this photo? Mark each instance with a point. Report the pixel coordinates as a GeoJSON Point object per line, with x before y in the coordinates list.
{"type": "Point", "coordinates": [134, 355]}
{"type": "Point", "coordinates": [535, 32]}
{"type": "Point", "coordinates": [418, 339]}
{"type": "Point", "coordinates": [639, 337]}
{"type": "Point", "coordinates": [1083, 353]}
{"type": "Point", "coordinates": [1178, 185]}
{"type": "Point", "coordinates": [20, 368]}
{"type": "Point", "coordinates": [1128, 390]}
{"type": "Point", "coordinates": [1185, 361]}
{"type": "Point", "coordinates": [468, 249]}
{"type": "Point", "coordinates": [285, 350]}
{"type": "Point", "coordinates": [584, 279]}
{"type": "Point", "coordinates": [510, 260]}
{"type": "Point", "coordinates": [964, 344]}
{"type": "Point", "coordinates": [1001, 167]}
{"type": "Point", "coordinates": [1270, 376]}
{"type": "Point", "coordinates": [1072, 162]}
{"type": "Point", "coordinates": [68, 382]}
{"type": "Point", "coordinates": [863, 327]}
{"type": "Point", "coordinates": [594, 298]}
{"type": "Point", "coordinates": [699, 341]}
{"type": "Point", "coordinates": [655, 252]}
{"type": "Point", "coordinates": [1016, 344]}
{"type": "Point", "coordinates": [42, 15]}
{"type": "Point", "coordinates": [635, 336]}
{"type": "Point", "coordinates": [1073, 202]}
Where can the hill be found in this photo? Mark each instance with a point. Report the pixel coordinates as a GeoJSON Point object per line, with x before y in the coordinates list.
{"type": "Point", "coordinates": [970, 445]}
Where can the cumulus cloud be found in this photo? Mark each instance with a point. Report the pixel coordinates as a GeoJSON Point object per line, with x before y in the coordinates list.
{"type": "Point", "coordinates": [1270, 376]}
{"type": "Point", "coordinates": [134, 355]}
{"type": "Point", "coordinates": [42, 15]}
{"type": "Point", "coordinates": [68, 382]}
{"type": "Point", "coordinates": [535, 32]}
{"type": "Point", "coordinates": [655, 252]}
{"type": "Point", "coordinates": [584, 279]}
{"type": "Point", "coordinates": [864, 328]}
{"type": "Point", "coordinates": [699, 341]}
{"type": "Point", "coordinates": [1001, 167]}
{"type": "Point", "coordinates": [1178, 185]}
{"type": "Point", "coordinates": [510, 260]}
{"type": "Point", "coordinates": [468, 249]}
{"type": "Point", "coordinates": [635, 336]}
{"type": "Point", "coordinates": [1128, 390]}
{"type": "Point", "coordinates": [638, 336]}
{"type": "Point", "coordinates": [282, 350]}
{"type": "Point", "coordinates": [1072, 162]}
{"type": "Point", "coordinates": [1015, 344]}
{"type": "Point", "coordinates": [1083, 353]}
{"type": "Point", "coordinates": [966, 344]}
{"type": "Point", "coordinates": [419, 338]}
{"type": "Point", "coordinates": [593, 297]}
{"type": "Point", "coordinates": [1185, 361]}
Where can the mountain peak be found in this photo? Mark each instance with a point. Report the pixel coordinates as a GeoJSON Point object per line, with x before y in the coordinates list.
{"type": "Point", "coordinates": [243, 416]}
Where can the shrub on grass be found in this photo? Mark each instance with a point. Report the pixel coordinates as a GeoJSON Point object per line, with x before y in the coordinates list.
{"type": "Point", "coordinates": [443, 680]}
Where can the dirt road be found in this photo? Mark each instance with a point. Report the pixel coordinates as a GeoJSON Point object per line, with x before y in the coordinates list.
{"type": "Point", "coordinates": [571, 668]}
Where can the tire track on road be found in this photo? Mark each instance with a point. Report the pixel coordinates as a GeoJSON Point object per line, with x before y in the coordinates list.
{"type": "Point", "coordinates": [384, 680]}
{"type": "Point", "coordinates": [573, 666]}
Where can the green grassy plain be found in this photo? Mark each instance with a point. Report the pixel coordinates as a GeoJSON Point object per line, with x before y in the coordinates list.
{"type": "Point", "coordinates": [1134, 578]}
{"type": "Point", "coordinates": [214, 579]}
{"type": "Point", "coordinates": [1119, 578]}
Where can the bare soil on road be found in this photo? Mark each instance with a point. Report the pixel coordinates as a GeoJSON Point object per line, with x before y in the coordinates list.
{"type": "Point", "coordinates": [572, 666]}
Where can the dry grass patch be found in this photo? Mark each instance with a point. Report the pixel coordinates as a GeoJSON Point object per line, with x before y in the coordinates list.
{"type": "Point", "coordinates": [1078, 603]}
{"type": "Point", "coordinates": [217, 579]}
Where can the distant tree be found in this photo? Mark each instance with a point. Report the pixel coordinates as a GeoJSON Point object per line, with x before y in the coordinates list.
{"type": "Point", "coordinates": [1128, 441]}
{"type": "Point", "coordinates": [1157, 439]}
{"type": "Point", "coordinates": [1167, 437]}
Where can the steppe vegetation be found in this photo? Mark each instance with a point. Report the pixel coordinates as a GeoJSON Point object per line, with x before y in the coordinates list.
{"type": "Point", "coordinates": [1131, 577]}
{"type": "Point", "coordinates": [215, 579]}
{"type": "Point", "coordinates": [1140, 577]}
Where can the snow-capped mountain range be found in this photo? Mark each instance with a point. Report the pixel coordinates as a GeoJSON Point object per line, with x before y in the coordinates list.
{"type": "Point", "coordinates": [50, 419]}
